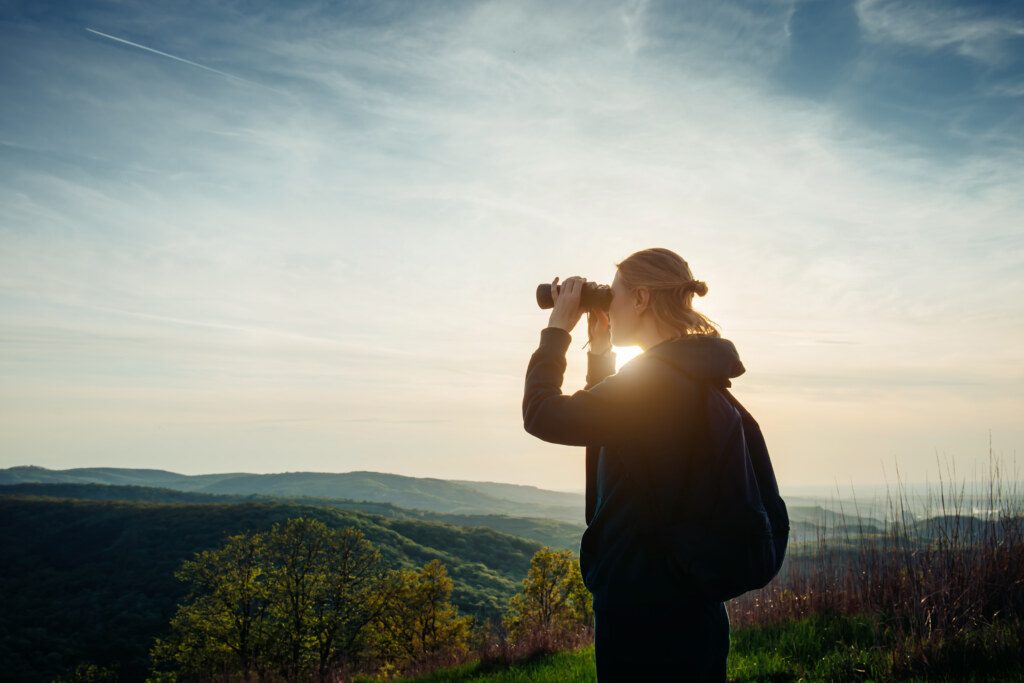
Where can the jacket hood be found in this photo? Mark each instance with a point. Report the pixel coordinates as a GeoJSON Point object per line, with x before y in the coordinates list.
{"type": "Point", "coordinates": [705, 357]}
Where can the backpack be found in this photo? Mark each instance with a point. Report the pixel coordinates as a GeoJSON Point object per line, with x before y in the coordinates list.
{"type": "Point", "coordinates": [733, 535]}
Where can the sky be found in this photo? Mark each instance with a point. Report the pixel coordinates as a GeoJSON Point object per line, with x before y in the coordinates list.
{"type": "Point", "coordinates": [267, 237]}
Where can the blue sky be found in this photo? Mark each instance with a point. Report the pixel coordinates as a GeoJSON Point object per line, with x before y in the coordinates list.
{"type": "Point", "coordinates": [272, 237]}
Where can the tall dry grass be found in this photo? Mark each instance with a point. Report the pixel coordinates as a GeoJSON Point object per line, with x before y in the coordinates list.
{"type": "Point", "coordinates": [494, 650]}
{"type": "Point", "coordinates": [943, 566]}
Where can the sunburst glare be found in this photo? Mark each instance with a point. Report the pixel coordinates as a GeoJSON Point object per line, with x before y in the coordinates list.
{"type": "Point", "coordinates": [624, 354]}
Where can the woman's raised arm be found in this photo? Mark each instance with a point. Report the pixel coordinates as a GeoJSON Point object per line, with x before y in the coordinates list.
{"type": "Point", "coordinates": [612, 410]}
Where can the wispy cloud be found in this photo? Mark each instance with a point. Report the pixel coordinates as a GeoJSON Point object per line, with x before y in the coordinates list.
{"type": "Point", "coordinates": [176, 58]}
{"type": "Point", "coordinates": [971, 30]}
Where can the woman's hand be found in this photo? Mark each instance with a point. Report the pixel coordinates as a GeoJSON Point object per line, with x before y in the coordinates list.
{"type": "Point", "coordinates": [599, 330]}
{"type": "Point", "coordinates": [566, 311]}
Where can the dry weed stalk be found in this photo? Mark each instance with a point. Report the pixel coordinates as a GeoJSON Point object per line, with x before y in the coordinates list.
{"type": "Point", "coordinates": [931, 577]}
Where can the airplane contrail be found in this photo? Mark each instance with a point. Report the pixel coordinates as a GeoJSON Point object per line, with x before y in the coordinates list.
{"type": "Point", "coordinates": [175, 58]}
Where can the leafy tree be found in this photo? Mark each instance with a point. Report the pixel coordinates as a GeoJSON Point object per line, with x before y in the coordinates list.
{"type": "Point", "coordinates": [297, 601]}
{"type": "Point", "coordinates": [355, 590]}
{"type": "Point", "coordinates": [421, 624]}
{"type": "Point", "coordinates": [223, 623]}
{"type": "Point", "coordinates": [581, 601]}
{"type": "Point", "coordinates": [554, 598]}
{"type": "Point", "coordinates": [298, 554]}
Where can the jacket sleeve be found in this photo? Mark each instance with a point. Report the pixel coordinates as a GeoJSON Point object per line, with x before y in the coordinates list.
{"type": "Point", "coordinates": [607, 412]}
{"type": "Point", "coordinates": [599, 367]}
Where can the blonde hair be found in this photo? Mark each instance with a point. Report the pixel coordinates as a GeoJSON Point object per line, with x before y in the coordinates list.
{"type": "Point", "coordinates": [672, 287]}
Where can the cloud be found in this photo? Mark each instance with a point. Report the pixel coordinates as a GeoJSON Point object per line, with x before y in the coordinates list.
{"type": "Point", "coordinates": [964, 28]}
{"type": "Point", "coordinates": [633, 18]}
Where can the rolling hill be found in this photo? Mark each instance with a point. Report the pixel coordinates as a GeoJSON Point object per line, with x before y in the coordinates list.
{"type": "Point", "coordinates": [550, 532]}
{"type": "Point", "coordinates": [434, 495]}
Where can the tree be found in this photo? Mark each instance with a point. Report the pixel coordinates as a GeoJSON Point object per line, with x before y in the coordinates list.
{"type": "Point", "coordinates": [223, 623]}
{"type": "Point", "coordinates": [553, 600]}
{"type": "Point", "coordinates": [298, 600]}
{"type": "Point", "coordinates": [421, 624]}
{"type": "Point", "coordinates": [354, 592]}
{"type": "Point", "coordinates": [298, 554]}
{"type": "Point", "coordinates": [303, 601]}
{"type": "Point", "coordinates": [580, 600]}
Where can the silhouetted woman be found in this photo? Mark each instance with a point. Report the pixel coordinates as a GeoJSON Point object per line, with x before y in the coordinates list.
{"type": "Point", "coordinates": [638, 427]}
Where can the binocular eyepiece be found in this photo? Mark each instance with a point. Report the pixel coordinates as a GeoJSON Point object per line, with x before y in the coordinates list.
{"type": "Point", "coordinates": [592, 296]}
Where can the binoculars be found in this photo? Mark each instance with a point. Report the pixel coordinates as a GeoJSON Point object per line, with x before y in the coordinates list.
{"type": "Point", "coordinates": [592, 296]}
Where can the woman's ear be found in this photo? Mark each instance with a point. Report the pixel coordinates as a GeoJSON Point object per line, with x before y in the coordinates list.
{"type": "Point", "coordinates": [641, 297]}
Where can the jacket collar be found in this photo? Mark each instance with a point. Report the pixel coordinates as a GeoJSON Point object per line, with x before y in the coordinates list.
{"type": "Point", "coordinates": [705, 357]}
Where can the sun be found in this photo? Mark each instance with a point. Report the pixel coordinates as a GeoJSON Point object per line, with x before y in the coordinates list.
{"type": "Point", "coordinates": [624, 354]}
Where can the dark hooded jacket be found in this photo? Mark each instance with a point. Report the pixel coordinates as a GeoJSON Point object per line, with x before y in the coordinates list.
{"type": "Point", "coordinates": [639, 427]}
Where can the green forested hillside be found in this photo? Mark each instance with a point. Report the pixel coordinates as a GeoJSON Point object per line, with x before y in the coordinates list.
{"type": "Point", "coordinates": [92, 581]}
{"type": "Point", "coordinates": [424, 493]}
{"type": "Point", "coordinates": [550, 532]}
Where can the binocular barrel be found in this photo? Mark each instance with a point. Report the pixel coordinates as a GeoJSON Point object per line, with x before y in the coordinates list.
{"type": "Point", "coordinates": [592, 296]}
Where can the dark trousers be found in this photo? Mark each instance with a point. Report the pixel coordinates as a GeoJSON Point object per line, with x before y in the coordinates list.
{"type": "Point", "coordinates": [689, 643]}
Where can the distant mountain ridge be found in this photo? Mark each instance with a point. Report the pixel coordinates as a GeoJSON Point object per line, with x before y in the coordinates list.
{"type": "Point", "coordinates": [510, 508]}
{"type": "Point", "coordinates": [435, 495]}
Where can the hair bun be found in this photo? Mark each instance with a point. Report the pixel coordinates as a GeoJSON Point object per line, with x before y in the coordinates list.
{"type": "Point", "coordinates": [699, 287]}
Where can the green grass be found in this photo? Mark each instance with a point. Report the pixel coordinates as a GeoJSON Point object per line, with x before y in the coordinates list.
{"type": "Point", "coordinates": [573, 665]}
{"type": "Point", "coordinates": [812, 649]}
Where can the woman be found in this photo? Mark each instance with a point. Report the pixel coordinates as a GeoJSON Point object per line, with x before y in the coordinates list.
{"type": "Point", "coordinates": [640, 432]}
